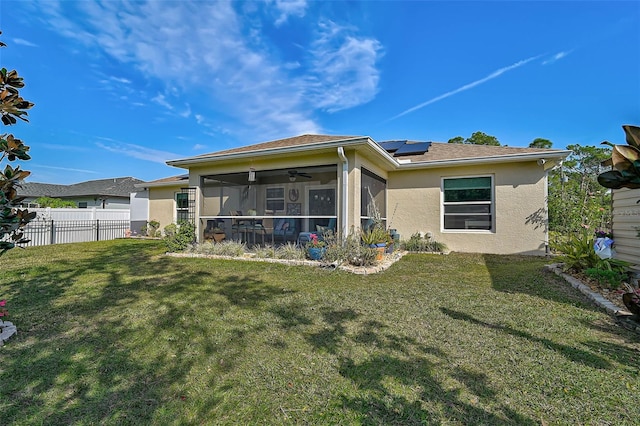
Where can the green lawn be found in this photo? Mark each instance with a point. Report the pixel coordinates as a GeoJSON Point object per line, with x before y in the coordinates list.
{"type": "Point", "coordinates": [116, 333]}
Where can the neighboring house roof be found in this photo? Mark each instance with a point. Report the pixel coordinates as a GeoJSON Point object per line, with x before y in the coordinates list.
{"type": "Point", "coordinates": [168, 181]}
{"type": "Point", "coordinates": [438, 153]}
{"type": "Point", "coordinates": [115, 187]}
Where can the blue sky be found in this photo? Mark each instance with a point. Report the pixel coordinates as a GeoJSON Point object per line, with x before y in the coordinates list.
{"type": "Point", "coordinates": [121, 87]}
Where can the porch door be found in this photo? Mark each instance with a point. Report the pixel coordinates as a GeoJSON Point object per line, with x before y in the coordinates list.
{"type": "Point", "coordinates": [322, 202]}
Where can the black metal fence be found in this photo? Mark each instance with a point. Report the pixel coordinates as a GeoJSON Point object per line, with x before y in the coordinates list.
{"type": "Point", "coordinates": [46, 232]}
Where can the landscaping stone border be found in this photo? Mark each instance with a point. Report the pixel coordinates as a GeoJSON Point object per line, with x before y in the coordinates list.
{"type": "Point", "coordinates": [622, 316]}
{"type": "Point", "coordinates": [388, 260]}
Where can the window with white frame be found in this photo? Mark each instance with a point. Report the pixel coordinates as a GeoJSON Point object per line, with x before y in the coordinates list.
{"type": "Point", "coordinates": [468, 203]}
{"type": "Point", "coordinates": [275, 199]}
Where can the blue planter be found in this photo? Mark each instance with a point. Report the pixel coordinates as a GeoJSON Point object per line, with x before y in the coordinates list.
{"type": "Point", "coordinates": [316, 253]}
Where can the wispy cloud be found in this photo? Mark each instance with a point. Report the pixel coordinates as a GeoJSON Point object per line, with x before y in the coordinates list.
{"type": "Point", "coordinates": [288, 8]}
{"type": "Point", "coordinates": [497, 73]}
{"type": "Point", "coordinates": [66, 169]}
{"type": "Point", "coordinates": [556, 57]}
{"type": "Point", "coordinates": [198, 147]}
{"type": "Point", "coordinates": [346, 64]}
{"type": "Point", "coordinates": [58, 147]}
{"type": "Point", "coordinates": [136, 151]}
{"type": "Point", "coordinates": [218, 50]}
{"type": "Point", "coordinates": [24, 42]}
{"type": "Point", "coordinates": [120, 80]}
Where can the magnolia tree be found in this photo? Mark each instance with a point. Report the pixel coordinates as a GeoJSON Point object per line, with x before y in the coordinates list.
{"type": "Point", "coordinates": [625, 160]}
{"type": "Point", "coordinates": [12, 108]}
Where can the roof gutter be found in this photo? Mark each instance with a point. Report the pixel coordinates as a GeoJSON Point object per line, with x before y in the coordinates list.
{"type": "Point", "coordinates": [559, 155]}
{"type": "Point", "coordinates": [162, 184]}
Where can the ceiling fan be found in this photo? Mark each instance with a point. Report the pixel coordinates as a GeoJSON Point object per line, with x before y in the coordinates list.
{"type": "Point", "coordinates": [293, 174]}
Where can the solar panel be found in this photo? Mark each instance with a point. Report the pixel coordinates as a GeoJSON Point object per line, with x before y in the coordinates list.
{"type": "Point", "coordinates": [392, 146]}
{"type": "Point", "coordinates": [418, 148]}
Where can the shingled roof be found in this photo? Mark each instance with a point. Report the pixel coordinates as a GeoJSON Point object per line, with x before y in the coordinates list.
{"type": "Point", "coordinates": [282, 143]}
{"type": "Point", "coordinates": [437, 151]}
{"type": "Point", "coordinates": [114, 187]}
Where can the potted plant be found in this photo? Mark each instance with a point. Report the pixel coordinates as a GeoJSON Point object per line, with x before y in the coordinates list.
{"type": "Point", "coordinates": [376, 237]}
{"type": "Point", "coordinates": [315, 247]}
{"type": "Point", "coordinates": [631, 300]}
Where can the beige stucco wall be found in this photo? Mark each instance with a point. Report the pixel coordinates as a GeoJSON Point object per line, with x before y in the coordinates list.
{"type": "Point", "coordinates": [413, 199]}
{"type": "Point", "coordinates": [162, 206]}
{"type": "Point", "coordinates": [414, 205]}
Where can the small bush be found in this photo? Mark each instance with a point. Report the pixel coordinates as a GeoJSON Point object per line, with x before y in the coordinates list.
{"type": "Point", "coordinates": [290, 251]}
{"type": "Point", "coordinates": [171, 230]}
{"type": "Point", "coordinates": [184, 236]}
{"type": "Point", "coordinates": [229, 248]}
{"type": "Point", "coordinates": [578, 253]}
{"type": "Point", "coordinates": [607, 278]}
{"type": "Point", "coordinates": [416, 243]}
{"type": "Point", "coordinates": [150, 229]}
{"type": "Point", "coordinates": [266, 252]}
{"type": "Point", "coordinates": [355, 253]}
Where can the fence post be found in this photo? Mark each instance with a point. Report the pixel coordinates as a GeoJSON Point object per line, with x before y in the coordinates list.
{"type": "Point", "coordinates": [97, 230]}
{"type": "Point", "coordinates": [52, 233]}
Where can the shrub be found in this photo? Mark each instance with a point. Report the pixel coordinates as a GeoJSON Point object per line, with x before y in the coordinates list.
{"type": "Point", "coordinates": [357, 254]}
{"type": "Point", "coordinates": [290, 251]}
{"type": "Point", "coordinates": [607, 278]}
{"type": "Point", "coordinates": [266, 252]}
{"type": "Point", "coordinates": [416, 243]}
{"type": "Point", "coordinates": [184, 236]}
{"type": "Point", "coordinates": [578, 253]}
{"type": "Point", "coordinates": [225, 248]}
{"type": "Point", "coordinates": [170, 230]}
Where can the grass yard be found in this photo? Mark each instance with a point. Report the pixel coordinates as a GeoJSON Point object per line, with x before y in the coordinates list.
{"type": "Point", "coordinates": [115, 333]}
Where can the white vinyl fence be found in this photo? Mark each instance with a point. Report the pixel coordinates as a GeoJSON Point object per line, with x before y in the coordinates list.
{"type": "Point", "coordinates": [58, 226]}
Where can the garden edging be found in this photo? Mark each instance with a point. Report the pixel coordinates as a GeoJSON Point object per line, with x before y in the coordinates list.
{"type": "Point", "coordinates": [389, 259]}
{"type": "Point", "coordinates": [621, 316]}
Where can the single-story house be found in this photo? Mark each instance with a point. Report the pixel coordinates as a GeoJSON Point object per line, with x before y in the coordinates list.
{"type": "Point", "coordinates": [473, 198]}
{"type": "Point", "coordinates": [113, 193]}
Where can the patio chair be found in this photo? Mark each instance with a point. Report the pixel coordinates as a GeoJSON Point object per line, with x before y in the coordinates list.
{"type": "Point", "coordinates": [285, 228]}
{"type": "Point", "coordinates": [265, 226]}
{"type": "Point", "coordinates": [238, 225]}
{"type": "Point", "coordinates": [330, 229]}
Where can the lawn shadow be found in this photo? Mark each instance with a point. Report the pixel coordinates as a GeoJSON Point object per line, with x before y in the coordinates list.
{"type": "Point", "coordinates": [526, 274]}
{"type": "Point", "coordinates": [394, 361]}
{"type": "Point", "coordinates": [571, 353]}
{"type": "Point", "coordinates": [71, 346]}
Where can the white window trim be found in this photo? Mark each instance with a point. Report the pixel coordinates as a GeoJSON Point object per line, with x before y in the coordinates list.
{"type": "Point", "coordinates": [492, 204]}
{"type": "Point", "coordinates": [284, 197]}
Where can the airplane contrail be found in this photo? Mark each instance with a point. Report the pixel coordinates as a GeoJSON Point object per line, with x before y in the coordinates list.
{"type": "Point", "coordinates": [491, 76]}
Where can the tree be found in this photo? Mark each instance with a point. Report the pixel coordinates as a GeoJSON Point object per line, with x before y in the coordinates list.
{"type": "Point", "coordinates": [540, 143]}
{"type": "Point", "coordinates": [12, 107]}
{"type": "Point", "coordinates": [575, 199]}
{"type": "Point", "coordinates": [457, 139]}
{"type": "Point", "coordinates": [54, 202]}
{"type": "Point", "coordinates": [477, 138]}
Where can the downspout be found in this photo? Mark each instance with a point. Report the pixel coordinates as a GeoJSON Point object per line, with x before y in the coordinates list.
{"type": "Point", "coordinates": [345, 192]}
{"type": "Point", "coordinates": [547, 249]}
